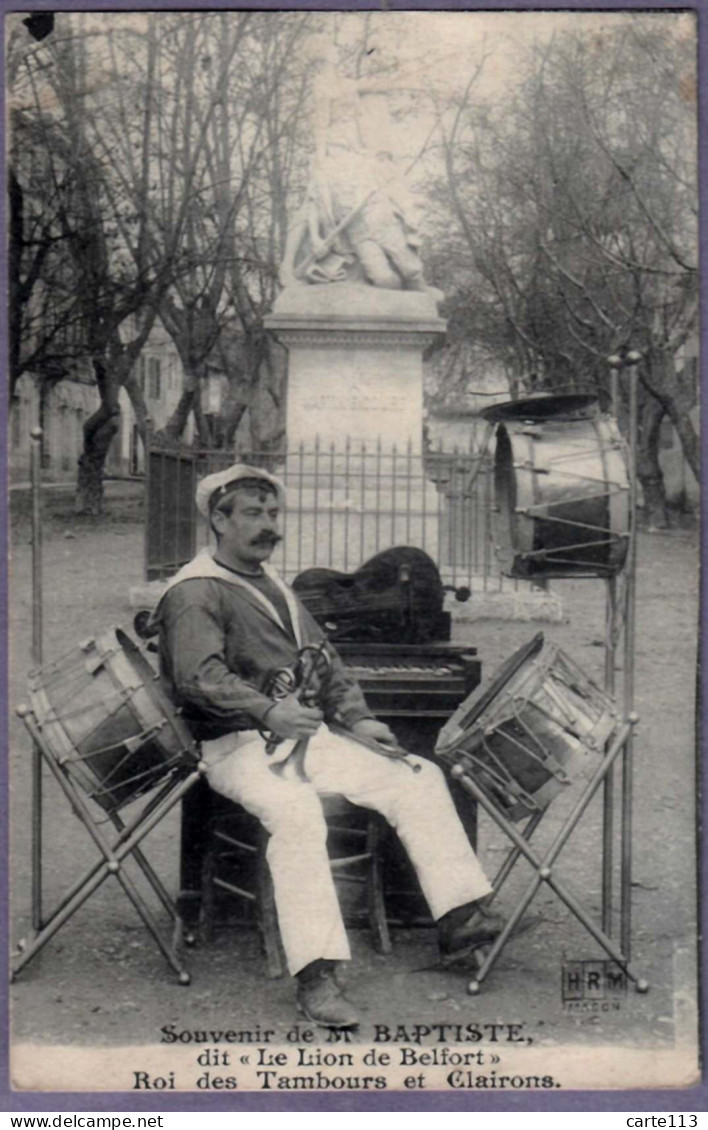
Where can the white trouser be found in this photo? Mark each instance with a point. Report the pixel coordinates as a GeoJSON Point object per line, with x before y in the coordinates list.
{"type": "Point", "coordinates": [417, 805]}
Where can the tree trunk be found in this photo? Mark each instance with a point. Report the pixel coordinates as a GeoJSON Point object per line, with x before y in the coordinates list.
{"type": "Point", "coordinates": [242, 384]}
{"type": "Point", "coordinates": [232, 419]}
{"type": "Point", "coordinates": [188, 403]}
{"type": "Point", "coordinates": [137, 401]}
{"type": "Point", "coordinates": [649, 470]}
{"type": "Point", "coordinates": [677, 392]}
{"type": "Point", "coordinates": [99, 430]}
{"type": "Point", "coordinates": [688, 438]}
{"type": "Point", "coordinates": [113, 364]}
{"type": "Point", "coordinates": [655, 514]}
{"type": "Point", "coordinates": [174, 428]}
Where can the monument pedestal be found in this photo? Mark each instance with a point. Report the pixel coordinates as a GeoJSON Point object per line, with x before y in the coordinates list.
{"type": "Point", "coordinates": [355, 471]}
{"type": "Point", "coordinates": [355, 365]}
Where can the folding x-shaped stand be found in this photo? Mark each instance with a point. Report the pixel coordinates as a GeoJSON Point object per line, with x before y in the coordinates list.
{"type": "Point", "coordinates": [543, 865]}
{"type": "Point", "coordinates": [114, 850]}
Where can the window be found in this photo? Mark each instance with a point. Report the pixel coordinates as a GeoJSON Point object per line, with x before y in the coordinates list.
{"type": "Point", "coordinates": [142, 366]}
{"type": "Point", "coordinates": [66, 438]}
{"type": "Point", "coordinates": [153, 378]}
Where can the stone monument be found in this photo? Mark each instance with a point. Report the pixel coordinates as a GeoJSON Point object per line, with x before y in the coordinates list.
{"type": "Point", "coordinates": [356, 316]}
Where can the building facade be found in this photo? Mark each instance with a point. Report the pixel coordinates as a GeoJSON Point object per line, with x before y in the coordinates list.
{"type": "Point", "coordinates": [62, 410]}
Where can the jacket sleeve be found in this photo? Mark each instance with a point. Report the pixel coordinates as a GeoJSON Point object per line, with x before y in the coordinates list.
{"type": "Point", "coordinates": [344, 700]}
{"type": "Point", "coordinates": [192, 636]}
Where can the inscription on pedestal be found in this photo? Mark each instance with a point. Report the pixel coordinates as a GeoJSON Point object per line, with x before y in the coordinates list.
{"type": "Point", "coordinates": [365, 393]}
{"type": "Point", "coordinates": [356, 401]}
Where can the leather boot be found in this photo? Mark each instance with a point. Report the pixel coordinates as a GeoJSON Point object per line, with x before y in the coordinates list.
{"type": "Point", "coordinates": [467, 927]}
{"type": "Point", "coordinates": [320, 998]}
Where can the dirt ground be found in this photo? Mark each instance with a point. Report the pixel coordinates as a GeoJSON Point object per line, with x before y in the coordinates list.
{"type": "Point", "coordinates": [101, 981]}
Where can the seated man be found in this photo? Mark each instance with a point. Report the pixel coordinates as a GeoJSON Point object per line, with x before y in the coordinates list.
{"type": "Point", "coordinates": [227, 622]}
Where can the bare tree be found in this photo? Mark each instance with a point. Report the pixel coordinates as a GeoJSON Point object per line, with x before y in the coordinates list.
{"type": "Point", "coordinates": [44, 311]}
{"type": "Point", "coordinates": [575, 208]}
{"type": "Point", "coordinates": [137, 171]}
{"type": "Point", "coordinates": [236, 225]}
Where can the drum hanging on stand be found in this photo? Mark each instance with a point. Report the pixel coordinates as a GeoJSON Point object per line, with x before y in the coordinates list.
{"type": "Point", "coordinates": [526, 735]}
{"type": "Point", "coordinates": [562, 493]}
{"type": "Point", "coordinates": [107, 723]}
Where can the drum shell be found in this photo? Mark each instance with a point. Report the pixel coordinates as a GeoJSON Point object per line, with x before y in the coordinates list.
{"type": "Point", "coordinates": [104, 717]}
{"type": "Point", "coordinates": [541, 780]}
{"type": "Point", "coordinates": [562, 498]}
{"type": "Point", "coordinates": [538, 732]}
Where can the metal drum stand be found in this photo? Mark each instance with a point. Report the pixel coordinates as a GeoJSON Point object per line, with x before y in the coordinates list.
{"type": "Point", "coordinates": [113, 852]}
{"type": "Point", "coordinates": [564, 520]}
{"type": "Point", "coordinates": [109, 737]}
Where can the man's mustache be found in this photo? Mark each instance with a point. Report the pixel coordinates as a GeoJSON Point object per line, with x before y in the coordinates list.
{"type": "Point", "coordinates": [266, 538]}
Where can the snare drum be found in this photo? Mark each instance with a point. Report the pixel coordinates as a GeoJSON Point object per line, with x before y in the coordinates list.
{"type": "Point", "coordinates": [562, 497]}
{"type": "Point", "coordinates": [533, 729]}
{"type": "Point", "coordinates": [105, 719]}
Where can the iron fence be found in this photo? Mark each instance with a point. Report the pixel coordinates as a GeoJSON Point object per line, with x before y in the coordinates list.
{"type": "Point", "coordinates": [346, 502]}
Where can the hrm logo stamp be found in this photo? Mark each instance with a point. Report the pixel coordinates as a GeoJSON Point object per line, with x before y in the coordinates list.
{"type": "Point", "coordinates": [593, 985]}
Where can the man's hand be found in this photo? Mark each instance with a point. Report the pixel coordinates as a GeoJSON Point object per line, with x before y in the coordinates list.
{"type": "Point", "coordinates": [290, 719]}
{"type": "Point", "coordinates": [375, 730]}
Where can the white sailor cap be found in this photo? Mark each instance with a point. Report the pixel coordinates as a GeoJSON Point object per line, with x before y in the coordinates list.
{"type": "Point", "coordinates": [213, 488]}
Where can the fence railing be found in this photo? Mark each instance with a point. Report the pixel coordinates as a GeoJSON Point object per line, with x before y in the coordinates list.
{"type": "Point", "coordinates": [346, 502]}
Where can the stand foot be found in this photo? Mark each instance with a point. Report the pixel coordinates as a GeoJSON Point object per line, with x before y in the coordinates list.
{"type": "Point", "coordinates": [642, 986]}
{"type": "Point", "coordinates": [184, 978]}
{"type": "Point", "coordinates": [189, 939]}
{"type": "Point", "coordinates": [473, 988]}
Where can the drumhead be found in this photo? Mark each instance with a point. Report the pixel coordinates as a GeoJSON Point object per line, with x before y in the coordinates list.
{"type": "Point", "coordinates": [476, 703]}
